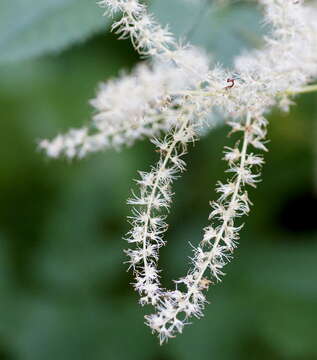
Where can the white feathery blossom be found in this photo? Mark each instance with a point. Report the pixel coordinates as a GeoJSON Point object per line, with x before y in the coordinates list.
{"type": "Point", "coordinates": [173, 93]}
{"type": "Point", "coordinates": [174, 308]}
{"type": "Point", "coordinates": [148, 223]}
{"type": "Point", "coordinates": [147, 35]}
{"type": "Point", "coordinates": [150, 95]}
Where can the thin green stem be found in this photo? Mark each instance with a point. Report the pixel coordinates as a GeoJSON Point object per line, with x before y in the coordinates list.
{"type": "Point", "coordinates": [303, 90]}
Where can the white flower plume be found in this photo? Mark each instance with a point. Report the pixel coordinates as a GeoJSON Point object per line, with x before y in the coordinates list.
{"type": "Point", "coordinates": [168, 99]}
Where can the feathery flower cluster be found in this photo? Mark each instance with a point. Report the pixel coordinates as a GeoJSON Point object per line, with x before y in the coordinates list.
{"type": "Point", "coordinates": [173, 308]}
{"type": "Point", "coordinates": [148, 36]}
{"type": "Point", "coordinates": [146, 95]}
{"type": "Point", "coordinates": [148, 224]}
{"type": "Point", "coordinates": [173, 93]}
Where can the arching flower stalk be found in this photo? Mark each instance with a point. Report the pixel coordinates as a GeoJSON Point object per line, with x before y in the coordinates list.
{"type": "Point", "coordinates": [148, 223]}
{"type": "Point", "coordinates": [169, 99]}
{"type": "Point", "coordinates": [174, 308]}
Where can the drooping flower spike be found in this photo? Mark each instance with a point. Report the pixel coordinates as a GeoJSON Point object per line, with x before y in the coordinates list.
{"type": "Point", "coordinates": [169, 99]}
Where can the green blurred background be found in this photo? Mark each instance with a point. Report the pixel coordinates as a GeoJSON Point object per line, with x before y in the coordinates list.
{"type": "Point", "coordinates": [64, 290]}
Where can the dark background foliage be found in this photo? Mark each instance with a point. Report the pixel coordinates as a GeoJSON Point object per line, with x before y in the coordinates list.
{"type": "Point", "coordinates": [64, 291]}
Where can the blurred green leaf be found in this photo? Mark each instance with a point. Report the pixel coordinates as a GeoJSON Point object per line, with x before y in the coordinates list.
{"type": "Point", "coordinates": [31, 28]}
{"type": "Point", "coordinates": [224, 30]}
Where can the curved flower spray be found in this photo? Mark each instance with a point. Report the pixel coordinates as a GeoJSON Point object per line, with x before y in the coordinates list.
{"type": "Point", "coordinates": [169, 99]}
